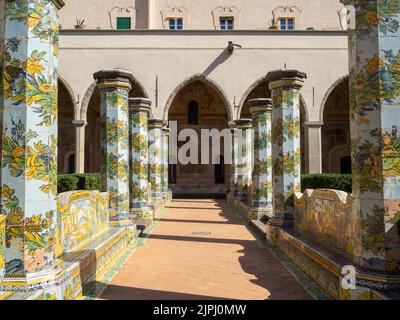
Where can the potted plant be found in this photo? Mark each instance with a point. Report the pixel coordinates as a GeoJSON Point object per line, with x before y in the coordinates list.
{"type": "Point", "coordinates": [80, 24]}
{"type": "Point", "coordinates": [274, 24]}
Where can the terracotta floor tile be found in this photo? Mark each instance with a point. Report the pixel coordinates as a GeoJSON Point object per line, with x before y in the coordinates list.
{"type": "Point", "coordinates": [177, 263]}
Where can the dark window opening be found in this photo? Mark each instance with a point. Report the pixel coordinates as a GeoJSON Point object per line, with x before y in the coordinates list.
{"type": "Point", "coordinates": [71, 163]}
{"type": "Point", "coordinates": [219, 171]}
{"type": "Point", "coordinates": [172, 173]}
{"type": "Point", "coordinates": [193, 112]}
{"type": "Point", "coordinates": [345, 165]}
{"type": "Point", "coordinates": [175, 24]}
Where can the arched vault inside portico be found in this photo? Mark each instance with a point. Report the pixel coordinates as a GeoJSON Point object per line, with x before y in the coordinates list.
{"type": "Point", "coordinates": [199, 105]}
{"type": "Point", "coordinates": [336, 130]}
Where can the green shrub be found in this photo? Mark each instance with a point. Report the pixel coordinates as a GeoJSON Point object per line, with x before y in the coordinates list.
{"type": "Point", "coordinates": [67, 182]}
{"type": "Point", "coordinates": [327, 181]}
{"type": "Point", "coordinates": [82, 181]}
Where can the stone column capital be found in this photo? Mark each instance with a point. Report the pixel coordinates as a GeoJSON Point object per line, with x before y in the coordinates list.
{"type": "Point", "coordinates": [155, 123]}
{"type": "Point", "coordinates": [139, 104]}
{"type": "Point", "coordinates": [244, 123]}
{"type": "Point", "coordinates": [314, 124]}
{"type": "Point", "coordinates": [114, 78]}
{"type": "Point", "coordinates": [286, 78]}
{"type": "Point", "coordinates": [260, 105]}
{"type": "Point", "coordinates": [59, 3]}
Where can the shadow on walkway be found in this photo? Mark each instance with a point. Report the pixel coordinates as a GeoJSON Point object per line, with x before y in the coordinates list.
{"type": "Point", "coordinates": [254, 259]}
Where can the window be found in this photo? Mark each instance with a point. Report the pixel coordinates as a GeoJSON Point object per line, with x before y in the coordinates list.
{"type": "Point", "coordinates": [287, 23]}
{"type": "Point", "coordinates": [175, 24]}
{"type": "Point", "coordinates": [226, 23]}
{"type": "Point", "coordinates": [172, 173]}
{"type": "Point", "coordinates": [193, 112]}
{"type": "Point", "coordinates": [219, 171]}
{"type": "Point", "coordinates": [123, 23]}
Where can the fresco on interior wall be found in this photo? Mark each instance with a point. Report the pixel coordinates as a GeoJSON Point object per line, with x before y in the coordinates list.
{"type": "Point", "coordinates": [81, 216]}
{"type": "Point", "coordinates": [262, 172]}
{"type": "Point", "coordinates": [29, 150]}
{"type": "Point", "coordinates": [286, 147]}
{"type": "Point", "coordinates": [115, 150]}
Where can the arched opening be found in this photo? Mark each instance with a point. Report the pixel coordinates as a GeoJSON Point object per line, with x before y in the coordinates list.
{"type": "Point", "coordinates": [92, 130]}
{"type": "Point", "coordinates": [199, 105]}
{"type": "Point", "coordinates": [261, 90]}
{"type": "Point", "coordinates": [66, 129]}
{"type": "Point", "coordinates": [336, 130]}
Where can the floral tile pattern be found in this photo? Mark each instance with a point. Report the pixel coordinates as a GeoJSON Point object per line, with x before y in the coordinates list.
{"type": "Point", "coordinates": [164, 165]}
{"type": "Point", "coordinates": [155, 156]}
{"type": "Point", "coordinates": [375, 110]}
{"type": "Point", "coordinates": [28, 97]}
{"type": "Point", "coordinates": [139, 162]}
{"type": "Point", "coordinates": [285, 149]}
{"type": "Point", "coordinates": [114, 150]}
{"type": "Point", "coordinates": [244, 138]}
{"type": "Point", "coordinates": [262, 172]}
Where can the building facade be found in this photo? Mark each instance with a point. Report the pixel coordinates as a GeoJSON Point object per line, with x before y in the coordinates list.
{"type": "Point", "coordinates": [200, 63]}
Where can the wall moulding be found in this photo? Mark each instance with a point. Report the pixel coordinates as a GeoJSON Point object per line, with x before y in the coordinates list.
{"type": "Point", "coordinates": [288, 12]}
{"type": "Point", "coordinates": [175, 12]}
{"type": "Point", "coordinates": [220, 11]}
{"type": "Point", "coordinates": [122, 12]}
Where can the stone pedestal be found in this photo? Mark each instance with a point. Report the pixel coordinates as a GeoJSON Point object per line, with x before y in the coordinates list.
{"type": "Point", "coordinates": [285, 86]}
{"type": "Point", "coordinates": [114, 88]}
{"type": "Point", "coordinates": [260, 110]}
{"type": "Point", "coordinates": [139, 109]}
{"type": "Point", "coordinates": [244, 159]}
{"type": "Point", "coordinates": [374, 55]}
{"type": "Point", "coordinates": [28, 101]}
{"type": "Point", "coordinates": [155, 156]}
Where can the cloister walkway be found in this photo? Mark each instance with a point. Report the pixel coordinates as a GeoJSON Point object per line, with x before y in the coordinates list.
{"type": "Point", "coordinates": [202, 250]}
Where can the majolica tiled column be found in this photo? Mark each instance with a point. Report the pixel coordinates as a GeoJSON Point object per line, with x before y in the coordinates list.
{"type": "Point", "coordinates": [155, 156]}
{"type": "Point", "coordinates": [234, 171]}
{"type": "Point", "coordinates": [376, 141]}
{"type": "Point", "coordinates": [260, 110]}
{"type": "Point", "coordinates": [28, 101]}
{"type": "Point", "coordinates": [114, 88]}
{"type": "Point", "coordinates": [244, 163]}
{"type": "Point", "coordinates": [165, 191]}
{"type": "Point", "coordinates": [139, 109]}
{"type": "Point", "coordinates": [285, 87]}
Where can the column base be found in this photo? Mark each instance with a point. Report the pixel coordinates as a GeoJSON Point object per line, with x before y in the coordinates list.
{"type": "Point", "coordinates": [141, 211]}
{"type": "Point", "coordinates": [167, 196]}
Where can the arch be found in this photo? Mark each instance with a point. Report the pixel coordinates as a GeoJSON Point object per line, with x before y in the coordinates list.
{"type": "Point", "coordinates": [207, 81]}
{"type": "Point", "coordinates": [89, 93]}
{"type": "Point", "coordinates": [254, 86]}
{"type": "Point", "coordinates": [328, 93]}
{"type": "Point", "coordinates": [67, 158]}
{"type": "Point", "coordinates": [68, 89]}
